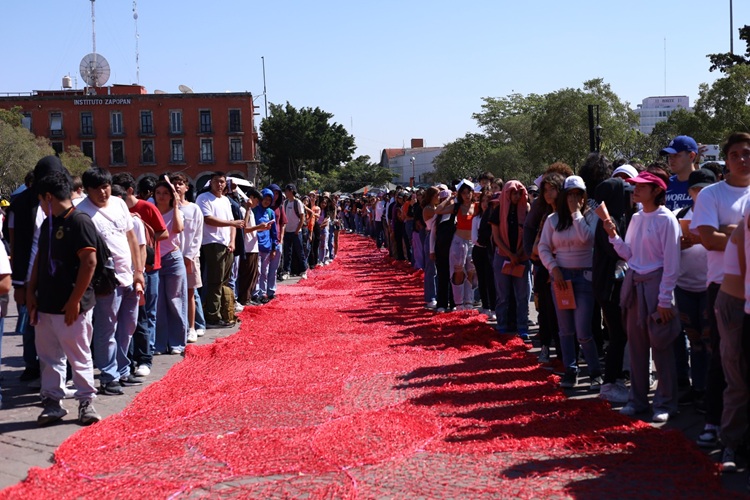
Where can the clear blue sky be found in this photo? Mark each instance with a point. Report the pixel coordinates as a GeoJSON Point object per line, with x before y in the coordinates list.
{"type": "Point", "coordinates": [387, 70]}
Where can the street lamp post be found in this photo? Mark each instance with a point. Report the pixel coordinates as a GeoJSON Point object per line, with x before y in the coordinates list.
{"type": "Point", "coordinates": [411, 181]}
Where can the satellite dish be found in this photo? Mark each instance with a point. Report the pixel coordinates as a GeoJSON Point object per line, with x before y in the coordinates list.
{"type": "Point", "coordinates": [185, 89]}
{"type": "Point", "coordinates": [94, 70]}
{"type": "Point", "coordinates": [157, 91]}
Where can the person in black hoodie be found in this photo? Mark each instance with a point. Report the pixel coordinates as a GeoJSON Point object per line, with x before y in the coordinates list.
{"type": "Point", "coordinates": [608, 273]}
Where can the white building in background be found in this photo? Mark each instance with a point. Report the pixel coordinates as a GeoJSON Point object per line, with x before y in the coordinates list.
{"type": "Point", "coordinates": [405, 163]}
{"type": "Point", "coordinates": [657, 109]}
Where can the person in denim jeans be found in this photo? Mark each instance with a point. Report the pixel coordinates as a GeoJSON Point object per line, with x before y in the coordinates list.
{"type": "Point", "coordinates": [566, 249]}
{"type": "Point", "coordinates": [507, 222]}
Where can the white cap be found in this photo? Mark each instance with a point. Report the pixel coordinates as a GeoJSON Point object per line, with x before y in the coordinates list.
{"type": "Point", "coordinates": [628, 170]}
{"type": "Point", "coordinates": [574, 182]}
{"type": "Point", "coordinates": [464, 182]}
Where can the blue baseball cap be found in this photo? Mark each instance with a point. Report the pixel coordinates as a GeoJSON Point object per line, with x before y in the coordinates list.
{"type": "Point", "coordinates": [679, 144]}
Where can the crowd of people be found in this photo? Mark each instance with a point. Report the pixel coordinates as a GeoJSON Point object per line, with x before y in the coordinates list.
{"type": "Point", "coordinates": [108, 273]}
{"type": "Point", "coordinates": [637, 271]}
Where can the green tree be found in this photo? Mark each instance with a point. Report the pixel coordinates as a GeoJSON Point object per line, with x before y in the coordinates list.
{"type": "Point", "coordinates": [723, 107]}
{"type": "Point", "coordinates": [20, 150]}
{"type": "Point", "coordinates": [304, 140]}
{"type": "Point", "coordinates": [726, 60]}
{"type": "Point", "coordinates": [75, 161]}
{"type": "Point", "coordinates": [465, 157]}
{"type": "Point", "coordinates": [362, 172]}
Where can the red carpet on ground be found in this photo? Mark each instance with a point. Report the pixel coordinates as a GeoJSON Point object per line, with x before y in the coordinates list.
{"type": "Point", "coordinates": [345, 387]}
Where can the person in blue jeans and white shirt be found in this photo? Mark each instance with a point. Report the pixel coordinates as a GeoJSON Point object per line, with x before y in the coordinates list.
{"type": "Point", "coordinates": [566, 248]}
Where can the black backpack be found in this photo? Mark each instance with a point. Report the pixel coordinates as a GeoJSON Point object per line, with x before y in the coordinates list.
{"type": "Point", "coordinates": [105, 279]}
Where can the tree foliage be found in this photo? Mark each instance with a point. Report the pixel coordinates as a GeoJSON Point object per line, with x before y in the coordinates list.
{"type": "Point", "coordinates": [726, 60]}
{"type": "Point", "coordinates": [75, 161]}
{"type": "Point", "coordinates": [297, 142]}
{"type": "Point", "coordinates": [20, 150]}
{"type": "Point", "coordinates": [524, 134]}
{"type": "Point", "coordinates": [362, 172]}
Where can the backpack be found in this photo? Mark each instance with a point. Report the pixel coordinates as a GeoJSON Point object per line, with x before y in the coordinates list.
{"type": "Point", "coordinates": [105, 279]}
{"type": "Point", "coordinates": [150, 243]}
{"type": "Point", "coordinates": [296, 207]}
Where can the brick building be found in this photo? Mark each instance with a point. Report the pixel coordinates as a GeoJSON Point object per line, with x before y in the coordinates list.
{"type": "Point", "coordinates": [125, 129]}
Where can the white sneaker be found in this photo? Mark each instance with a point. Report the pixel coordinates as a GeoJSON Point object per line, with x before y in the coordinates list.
{"type": "Point", "coordinates": [238, 308]}
{"type": "Point", "coordinates": [200, 332]}
{"type": "Point", "coordinates": [192, 336]}
{"type": "Point", "coordinates": [431, 305]}
{"type": "Point", "coordinates": [660, 416]}
{"type": "Point", "coordinates": [303, 276]}
{"type": "Point", "coordinates": [142, 371]}
{"type": "Point", "coordinates": [440, 310]}
{"type": "Point", "coordinates": [614, 393]}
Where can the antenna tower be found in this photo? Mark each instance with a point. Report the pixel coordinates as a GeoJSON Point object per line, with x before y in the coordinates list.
{"type": "Point", "coordinates": [137, 63]}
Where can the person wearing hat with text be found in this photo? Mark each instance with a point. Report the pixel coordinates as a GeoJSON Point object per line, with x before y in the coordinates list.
{"type": "Point", "coordinates": [681, 153]}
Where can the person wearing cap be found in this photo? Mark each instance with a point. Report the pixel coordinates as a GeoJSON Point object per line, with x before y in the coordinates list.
{"type": "Point", "coordinates": [692, 299]}
{"type": "Point", "coordinates": [681, 153]}
{"type": "Point", "coordinates": [294, 260]}
{"type": "Point", "coordinates": [566, 250]}
{"type": "Point", "coordinates": [625, 172]}
{"type": "Point", "coordinates": [718, 210]}
{"type": "Point", "coordinates": [264, 214]}
{"type": "Point", "coordinates": [652, 250]}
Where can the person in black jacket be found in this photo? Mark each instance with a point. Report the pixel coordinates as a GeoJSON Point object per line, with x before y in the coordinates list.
{"type": "Point", "coordinates": [608, 273]}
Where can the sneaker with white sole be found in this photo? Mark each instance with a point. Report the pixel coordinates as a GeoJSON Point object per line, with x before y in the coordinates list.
{"type": "Point", "coordinates": [430, 305]}
{"type": "Point", "coordinates": [440, 310]}
{"type": "Point", "coordinates": [200, 332]}
{"type": "Point", "coordinates": [192, 336]}
{"type": "Point", "coordinates": [303, 276]}
{"type": "Point", "coordinates": [53, 411]}
{"type": "Point", "coordinates": [660, 416]}
{"type": "Point", "coordinates": [728, 460]}
{"type": "Point", "coordinates": [614, 393]}
{"type": "Point", "coordinates": [142, 371]}
{"type": "Point", "coordinates": [87, 414]}
{"type": "Point", "coordinates": [238, 308]}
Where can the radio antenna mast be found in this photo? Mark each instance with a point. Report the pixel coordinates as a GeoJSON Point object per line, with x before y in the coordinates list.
{"type": "Point", "coordinates": [137, 63]}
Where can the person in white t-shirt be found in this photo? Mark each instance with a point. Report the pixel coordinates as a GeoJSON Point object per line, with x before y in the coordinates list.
{"type": "Point", "coordinates": [692, 298]}
{"type": "Point", "coordinates": [217, 249]}
{"type": "Point", "coordinates": [295, 213]}
{"type": "Point", "coordinates": [115, 315]}
{"type": "Point", "coordinates": [719, 208]}
{"type": "Point", "coordinates": [190, 244]}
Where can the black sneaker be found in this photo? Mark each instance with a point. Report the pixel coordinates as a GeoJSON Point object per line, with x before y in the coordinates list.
{"type": "Point", "coordinates": [53, 411]}
{"type": "Point", "coordinates": [29, 374]}
{"type": "Point", "coordinates": [112, 388]}
{"type": "Point", "coordinates": [87, 414]}
{"type": "Point", "coordinates": [130, 380]}
{"type": "Point", "coordinates": [569, 378]}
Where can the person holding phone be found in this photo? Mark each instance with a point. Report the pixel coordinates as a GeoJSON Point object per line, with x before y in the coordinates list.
{"type": "Point", "coordinates": [566, 249]}
{"type": "Point", "coordinates": [652, 250]}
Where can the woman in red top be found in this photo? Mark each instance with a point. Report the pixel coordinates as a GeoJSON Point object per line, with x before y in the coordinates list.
{"type": "Point", "coordinates": [461, 265]}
